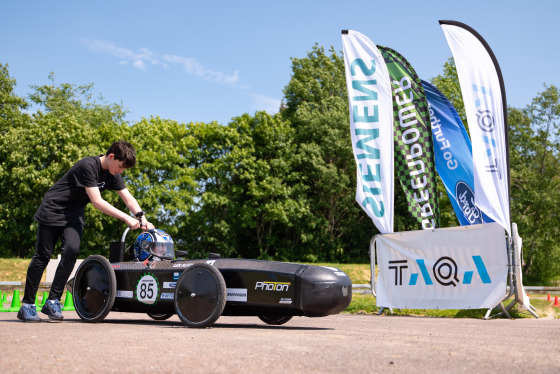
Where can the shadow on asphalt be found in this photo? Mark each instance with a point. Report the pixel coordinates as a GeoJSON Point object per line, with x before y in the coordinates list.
{"type": "Point", "coordinates": [268, 327]}
{"type": "Point", "coordinates": [176, 324]}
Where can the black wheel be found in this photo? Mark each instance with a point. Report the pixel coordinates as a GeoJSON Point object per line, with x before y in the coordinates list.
{"type": "Point", "coordinates": [160, 316]}
{"type": "Point", "coordinates": [275, 320]}
{"type": "Point", "coordinates": [200, 295]}
{"type": "Point", "coordinates": [94, 289]}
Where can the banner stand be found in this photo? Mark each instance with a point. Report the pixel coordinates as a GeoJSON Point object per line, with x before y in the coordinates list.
{"type": "Point", "coordinates": [516, 290]}
{"type": "Point", "coordinates": [372, 269]}
{"type": "Point", "coordinates": [515, 278]}
{"type": "Point", "coordinates": [511, 289]}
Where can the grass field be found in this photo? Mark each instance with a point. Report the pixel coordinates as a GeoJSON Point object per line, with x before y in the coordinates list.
{"type": "Point", "coordinates": [15, 270]}
{"type": "Point", "coordinates": [365, 304]}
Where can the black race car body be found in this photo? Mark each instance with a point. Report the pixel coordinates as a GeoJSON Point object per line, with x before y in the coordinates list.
{"type": "Point", "coordinates": [253, 287]}
{"type": "Point", "coordinates": [202, 290]}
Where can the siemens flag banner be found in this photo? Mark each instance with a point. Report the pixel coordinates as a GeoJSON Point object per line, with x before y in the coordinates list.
{"type": "Point", "coordinates": [483, 92]}
{"type": "Point", "coordinates": [452, 268]}
{"type": "Point", "coordinates": [371, 127]}
{"type": "Point", "coordinates": [453, 154]}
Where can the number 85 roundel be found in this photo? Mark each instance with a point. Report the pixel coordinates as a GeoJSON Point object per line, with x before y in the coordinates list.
{"type": "Point", "coordinates": [147, 289]}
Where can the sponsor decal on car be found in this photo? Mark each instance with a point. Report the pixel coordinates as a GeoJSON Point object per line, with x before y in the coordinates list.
{"type": "Point", "coordinates": [338, 273]}
{"type": "Point", "coordinates": [167, 295]}
{"type": "Point", "coordinates": [176, 276]}
{"type": "Point", "coordinates": [236, 294]}
{"type": "Point", "coordinates": [285, 300]}
{"type": "Point", "coordinates": [182, 265]}
{"type": "Point", "coordinates": [272, 286]}
{"type": "Point", "coordinates": [169, 284]}
{"type": "Point", "coordinates": [125, 294]}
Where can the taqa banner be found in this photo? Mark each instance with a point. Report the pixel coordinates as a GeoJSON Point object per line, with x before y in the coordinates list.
{"type": "Point", "coordinates": [371, 126]}
{"type": "Point", "coordinates": [483, 92]}
{"type": "Point", "coordinates": [451, 268]}
{"type": "Point", "coordinates": [414, 154]}
{"type": "Point", "coordinates": [453, 155]}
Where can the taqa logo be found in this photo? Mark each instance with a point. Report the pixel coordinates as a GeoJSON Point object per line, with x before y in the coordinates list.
{"type": "Point", "coordinates": [445, 271]}
{"type": "Point", "coordinates": [272, 286]}
{"type": "Point", "coordinates": [465, 199]}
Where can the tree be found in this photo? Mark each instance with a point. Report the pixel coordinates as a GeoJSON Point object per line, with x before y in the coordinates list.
{"type": "Point", "coordinates": [247, 199]}
{"type": "Point", "coordinates": [535, 178]}
{"type": "Point", "coordinates": [77, 101]}
{"type": "Point", "coordinates": [12, 107]}
{"type": "Point", "coordinates": [37, 150]}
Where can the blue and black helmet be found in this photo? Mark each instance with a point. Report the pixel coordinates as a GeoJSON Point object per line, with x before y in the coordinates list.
{"type": "Point", "coordinates": [156, 242]}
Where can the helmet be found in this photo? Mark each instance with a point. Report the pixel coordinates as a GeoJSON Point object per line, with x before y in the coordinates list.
{"type": "Point", "coordinates": [156, 242]}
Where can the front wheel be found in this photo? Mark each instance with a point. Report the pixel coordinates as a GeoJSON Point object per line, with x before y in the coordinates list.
{"type": "Point", "coordinates": [94, 289]}
{"type": "Point", "coordinates": [200, 295]}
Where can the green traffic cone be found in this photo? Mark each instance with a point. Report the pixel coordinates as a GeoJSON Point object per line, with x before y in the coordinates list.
{"type": "Point", "coordinates": [2, 301]}
{"type": "Point", "coordinates": [16, 303]}
{"type": "Point", "coordinates": [68, 302]}
{"type": "Point", "coordinates": [45, 297]}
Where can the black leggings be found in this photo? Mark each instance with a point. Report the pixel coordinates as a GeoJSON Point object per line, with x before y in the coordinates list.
{"type": "Point", "coordinates": [47, 236]}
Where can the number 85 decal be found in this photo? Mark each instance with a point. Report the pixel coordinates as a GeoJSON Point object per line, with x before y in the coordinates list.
{"type": "Point", "coordinates": [147, 289]}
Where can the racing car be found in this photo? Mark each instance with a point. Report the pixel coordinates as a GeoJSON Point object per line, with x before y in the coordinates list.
{"type": "Point", "coordinates": [199, 291]}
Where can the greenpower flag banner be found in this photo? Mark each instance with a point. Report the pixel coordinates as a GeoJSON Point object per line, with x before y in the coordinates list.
{"type": "Point", "coordinates": [414, 155]}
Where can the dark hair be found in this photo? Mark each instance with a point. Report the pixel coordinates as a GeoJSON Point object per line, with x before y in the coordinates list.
{"type": "Point", "coordinates": [124, 152]}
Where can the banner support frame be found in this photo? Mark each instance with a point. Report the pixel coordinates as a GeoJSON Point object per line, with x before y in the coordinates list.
{"type": "Point", "coordinates": [516, 289]}
{"type": "Point", "coordinates": [372, 263]}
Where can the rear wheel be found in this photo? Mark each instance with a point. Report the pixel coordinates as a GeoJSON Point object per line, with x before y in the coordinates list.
{"type": "Point", "coordinates": [200, 295]}
{"type": "Point", "coordinates": [160, 316]}
{"type": "Point", "coordinates": [94, 289]}
{"type": "Point", "coordinates": [275, 320]}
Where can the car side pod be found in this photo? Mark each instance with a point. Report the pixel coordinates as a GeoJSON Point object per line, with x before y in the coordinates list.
{"type": "Point", "coordinates": [324, 291]}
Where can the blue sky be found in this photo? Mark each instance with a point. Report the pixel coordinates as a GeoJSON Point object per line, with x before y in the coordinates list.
{"type": "Point", "coordinates": [203, 61]}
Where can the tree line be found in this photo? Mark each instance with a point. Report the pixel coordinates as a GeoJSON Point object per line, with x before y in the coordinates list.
{"type": "Point", "coordinates": [276, 187]}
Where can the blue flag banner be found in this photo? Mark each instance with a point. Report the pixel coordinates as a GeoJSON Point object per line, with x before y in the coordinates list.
{"type": "Point", "coordinates": [453, 156]}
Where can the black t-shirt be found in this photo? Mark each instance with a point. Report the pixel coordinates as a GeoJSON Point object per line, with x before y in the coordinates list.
{"type": "Point", "coordinates": [66, 199]}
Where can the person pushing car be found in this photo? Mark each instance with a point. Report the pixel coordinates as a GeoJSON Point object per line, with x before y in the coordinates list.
{"type": "Point", "coordinates": [61, 216]}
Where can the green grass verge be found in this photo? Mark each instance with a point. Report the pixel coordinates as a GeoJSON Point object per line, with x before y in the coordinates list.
{"type": "Point", "coordinates": [15, 269]}
{"type": "Point", "coordinates": [365, 304]}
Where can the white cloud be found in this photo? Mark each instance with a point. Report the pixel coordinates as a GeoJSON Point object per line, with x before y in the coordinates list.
{"type": "Point", "coordinates": [193, 67]}
{"type": "Point", "coordinates": [144, 56]}
{"type": "Point", "coordinates": [267, 103]}
{"type": "Point", "coordinates": [124, 54]}
{"type": "Point", "coordinates": [139, 64]}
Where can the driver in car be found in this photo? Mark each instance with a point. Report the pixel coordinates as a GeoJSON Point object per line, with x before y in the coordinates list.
{"type": "Point", "coordinates": [61, 216]}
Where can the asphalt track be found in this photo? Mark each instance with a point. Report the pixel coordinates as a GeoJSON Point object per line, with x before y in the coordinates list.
{"type": "Point", "coordinates": [133, 343]}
